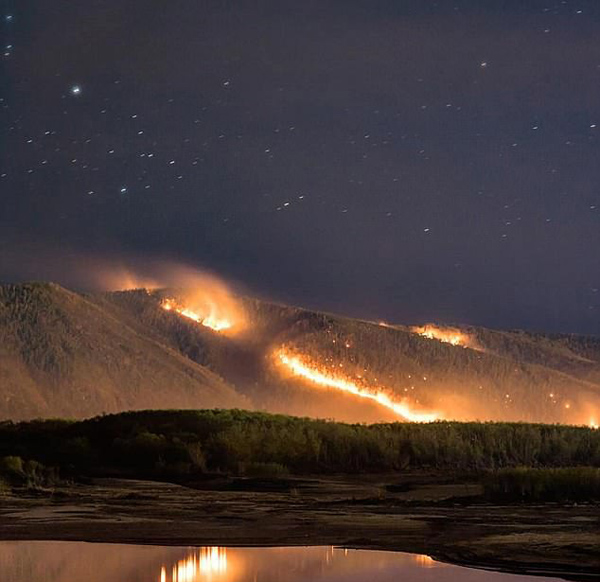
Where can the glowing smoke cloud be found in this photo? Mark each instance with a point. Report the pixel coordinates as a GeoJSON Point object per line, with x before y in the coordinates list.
{"type": "Point", "coordinates": [201, 297]}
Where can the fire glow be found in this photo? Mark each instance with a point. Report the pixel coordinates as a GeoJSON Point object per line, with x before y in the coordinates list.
{"type": "Point", "coordinates": [427, 561]}
{"type": "Point", "coordinates": [446, 335]}
{"type": "Point", "coordinates": [207, 562]}
{"type": "Point", "coordinates": [210, 318]}
{"type": "Point", "coordinates": [322, 377]}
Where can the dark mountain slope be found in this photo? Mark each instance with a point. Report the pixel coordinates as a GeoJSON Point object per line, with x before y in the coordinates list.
{"type": "Point", "coordinates": [63, 355]}
{"type": "Point", "coordinates": [66, 354]}
{"type": "Point", "coordinates": [510, 376]}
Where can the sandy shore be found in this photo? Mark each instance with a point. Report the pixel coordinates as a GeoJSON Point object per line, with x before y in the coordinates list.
{"type": "Point", "coordinates": [446, 522]}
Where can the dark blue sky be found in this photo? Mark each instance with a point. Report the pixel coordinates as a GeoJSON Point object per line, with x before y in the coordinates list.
{"type": "Point", "coordinates": [404, 160]}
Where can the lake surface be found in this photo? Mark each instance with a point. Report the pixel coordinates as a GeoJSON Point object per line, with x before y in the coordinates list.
{"type": "Point", "coordinates": [83, 562]}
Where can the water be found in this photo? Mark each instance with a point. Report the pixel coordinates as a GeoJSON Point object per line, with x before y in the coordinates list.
{"type": "Point", "coordinates": [82, 562]}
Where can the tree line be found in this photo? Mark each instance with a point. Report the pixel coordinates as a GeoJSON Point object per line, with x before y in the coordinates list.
{"type": "Point", "coordinates": [239, 442]}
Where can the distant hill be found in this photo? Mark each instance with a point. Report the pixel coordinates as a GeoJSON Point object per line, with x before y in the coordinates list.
{"type": "Point", "coordinates": [508, 375]}
{"type": "Point", "coordinates": [63, 355]}
{"type": "Point", "coordinates": [67, 354]}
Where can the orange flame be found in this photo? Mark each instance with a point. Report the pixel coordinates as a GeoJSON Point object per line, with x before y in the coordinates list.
{"type": "Point", "coordinates": [210, 318]}
{"type": "Point", "coordinates": [446, 335]}
{"type": "Point", "coordinates": [324, 378]}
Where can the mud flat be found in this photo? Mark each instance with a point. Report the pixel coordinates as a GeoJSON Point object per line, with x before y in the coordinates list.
{"type": "Point", "coordinates": [449, 522]}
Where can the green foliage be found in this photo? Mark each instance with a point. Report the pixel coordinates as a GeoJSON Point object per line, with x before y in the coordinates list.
{"type": "Point", "coordinates": [541, 484]}
{"type": "Point", "coordinates": [12, 466]}
{"type": "Point", "coordinates": [30, 473]}
{"type": "Point", "coordinates": [180, 443]}
{"type": "Point", "coordinates": [4, 486]}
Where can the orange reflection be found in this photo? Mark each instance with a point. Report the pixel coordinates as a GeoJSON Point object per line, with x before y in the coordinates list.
{"type": "Point", "coordinates": [202, 564]}
{"type": "Point", "coordinates": [425, 561]}
{"type": "Point", "coordinates": [323, 377]}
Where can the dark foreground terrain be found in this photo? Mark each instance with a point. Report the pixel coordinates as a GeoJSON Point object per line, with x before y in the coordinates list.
{"type": "Point", "coordinates": [446, 521]}
{"type": "Point", "coordinates": [514, 497]}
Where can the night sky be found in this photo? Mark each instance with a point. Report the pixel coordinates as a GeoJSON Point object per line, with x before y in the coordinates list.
{"type": "Point", "coordinates": [403, 160]}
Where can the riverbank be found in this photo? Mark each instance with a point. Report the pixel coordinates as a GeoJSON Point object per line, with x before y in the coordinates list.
{"type": "Point", "coordinates": [448, 521]}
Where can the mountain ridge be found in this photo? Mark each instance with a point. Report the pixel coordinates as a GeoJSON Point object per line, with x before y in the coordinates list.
{"type": "Point", "coordinates": [106, 352]}
{"type": "Point", "coordinates": [543, 364]}
{"type": "Point", "coordinates": [63, 355]}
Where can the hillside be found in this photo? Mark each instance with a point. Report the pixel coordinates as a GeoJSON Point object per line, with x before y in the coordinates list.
{"type": "Point", "coordinates": [67, 354]}
{"type": "Point", "coordinates": [62, 355]}
{"type": "Point", "coordinates": [503, 375]}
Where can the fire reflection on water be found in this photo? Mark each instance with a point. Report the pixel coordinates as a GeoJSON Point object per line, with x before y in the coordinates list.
{"type": "Point", "coordinates": [210, 563]}
{"type": "Point", "coordinates": [201, 564]}
{"type": "Point", "coordinates": [426, 561]}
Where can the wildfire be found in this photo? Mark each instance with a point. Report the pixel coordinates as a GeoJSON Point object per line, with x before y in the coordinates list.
{"type": "Point", "coordinates": [446, 335]}
{"type": "Point", "coordinates": [204, 563]}
{"type": "Point", "coordinates": [593, 423]}
{"type": "Point", "coordinates": [209, 318]}
{"type": "Point", "coordinates": [325, 378]}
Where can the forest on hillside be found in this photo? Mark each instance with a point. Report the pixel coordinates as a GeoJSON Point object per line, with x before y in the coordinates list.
{"type": "Point", "coordinates": [511, 375]}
